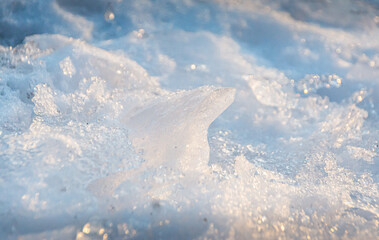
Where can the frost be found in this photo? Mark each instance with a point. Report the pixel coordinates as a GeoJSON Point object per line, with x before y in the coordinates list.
{"type": "Point", "coordinates": [67, 67]}
{"type": "Point", "coordinates": [361, 153]}
{"type": "Point", "coordinates": [188, 119]}
{"type": "Point", "coordinates": [311, 83]}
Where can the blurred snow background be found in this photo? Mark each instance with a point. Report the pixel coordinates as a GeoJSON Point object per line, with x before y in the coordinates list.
{"type": "Point", "coordinates": [111, 124]}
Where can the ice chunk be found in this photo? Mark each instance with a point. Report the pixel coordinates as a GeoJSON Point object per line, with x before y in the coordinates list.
{"type": "Point", "coordinates": [171, 132]}
{"type": "Point", "coordinates": [344, 124]}
{"type": "Point", "coordinates": [85, 61]}
{"type": "Point", "coordinates": [270, 93]}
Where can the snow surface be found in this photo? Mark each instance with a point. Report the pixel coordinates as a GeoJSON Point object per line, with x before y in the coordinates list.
{"type": "Point", "coordinates": [189, 119]}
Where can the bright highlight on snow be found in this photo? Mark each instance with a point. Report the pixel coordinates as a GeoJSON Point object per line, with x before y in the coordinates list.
{"type": "Point", "coordinates": [189, 119]}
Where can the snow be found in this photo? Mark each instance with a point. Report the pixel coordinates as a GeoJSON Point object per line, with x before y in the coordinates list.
{"type": "Point", "coordinates": [189, 119]}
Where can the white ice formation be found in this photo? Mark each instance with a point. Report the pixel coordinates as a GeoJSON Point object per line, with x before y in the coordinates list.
{"type": "Point", "coordinates": [129, 119]}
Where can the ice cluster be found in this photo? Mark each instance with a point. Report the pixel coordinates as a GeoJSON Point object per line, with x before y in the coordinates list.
{"type": "Point", "coordinates": [189, 119]}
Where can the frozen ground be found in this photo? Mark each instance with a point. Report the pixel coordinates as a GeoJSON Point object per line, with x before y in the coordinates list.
{"type": "Point", "coordinates": [189, 119]}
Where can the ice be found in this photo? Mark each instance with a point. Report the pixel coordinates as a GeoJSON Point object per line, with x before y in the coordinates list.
{"type": "Point", "coordinates": [158, 128]}
{"type": "Point", "coordinates": [189, 119]}
{"type": "Point", "coordinates": [172, 133]}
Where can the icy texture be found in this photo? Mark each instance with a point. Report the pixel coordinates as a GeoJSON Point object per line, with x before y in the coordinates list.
{"type": "Point", "coordinates": [189, 119]}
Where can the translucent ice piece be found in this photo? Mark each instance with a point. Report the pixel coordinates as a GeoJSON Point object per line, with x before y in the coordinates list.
{"type": "Point", "coordinates": [172, 132]}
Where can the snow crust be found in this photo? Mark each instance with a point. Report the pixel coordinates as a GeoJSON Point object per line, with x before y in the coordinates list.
{"type": "Point", "coordinates": [189, 120]}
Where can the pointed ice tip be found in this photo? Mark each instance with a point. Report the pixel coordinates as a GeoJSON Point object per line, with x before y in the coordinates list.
{"type": "Point", "coordinates": [227, 94]}
{"type": "Point", "coordinates": [216, 102]}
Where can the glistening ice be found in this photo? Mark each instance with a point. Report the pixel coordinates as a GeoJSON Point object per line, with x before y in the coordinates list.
{"type": "Point", "coordinates": [189, 119]}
